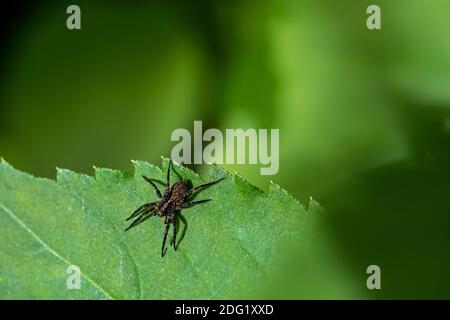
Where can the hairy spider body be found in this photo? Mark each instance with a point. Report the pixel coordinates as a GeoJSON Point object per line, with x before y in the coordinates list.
{"type": "Point", "coordinates": [174, 199]}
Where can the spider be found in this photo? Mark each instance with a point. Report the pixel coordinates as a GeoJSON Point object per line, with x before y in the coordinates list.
{"type": "Point", "coordinates": [174, 199]}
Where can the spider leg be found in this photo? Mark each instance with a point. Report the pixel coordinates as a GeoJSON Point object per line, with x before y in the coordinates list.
{"type": "Point", "coordinates": [206, 185]}
{"type": "Point", "coordinates": [144, 216]}
{"type": "Point", "coordinates": [164, 239]}
{"type": "Point", "coordinates": [158, 193]}
{"type": "Point", "coordinates": [174, 235]}
{"type": "Point", "coordinates": [193, 203]}
{"type": "Point", "coordinates": [141, 209]}
{"type": "Point", "coordinates": [168, 175]}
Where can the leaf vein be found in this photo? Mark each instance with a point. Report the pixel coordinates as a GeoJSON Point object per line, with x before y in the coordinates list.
{"type": "Point", "coordinates": [52, 251]}
{"type": "Point", "coordinates": [122, 244]}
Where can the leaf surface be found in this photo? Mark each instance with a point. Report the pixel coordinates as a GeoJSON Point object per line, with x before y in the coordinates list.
{"type": "Point", "coordinates": [227, 248]}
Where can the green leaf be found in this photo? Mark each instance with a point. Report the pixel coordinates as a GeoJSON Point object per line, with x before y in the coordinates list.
{"type": "Point", "coordinates": [230, 247]}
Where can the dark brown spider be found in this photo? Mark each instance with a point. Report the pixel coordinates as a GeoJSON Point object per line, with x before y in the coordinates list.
{"type": "Point", "coordinates": [175, 199]}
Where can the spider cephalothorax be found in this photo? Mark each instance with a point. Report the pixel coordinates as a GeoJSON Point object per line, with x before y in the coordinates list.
{"type": "Point", "coordinates": [174, 199]}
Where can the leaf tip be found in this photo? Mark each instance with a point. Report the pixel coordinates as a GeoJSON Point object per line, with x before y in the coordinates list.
{"type": "Point", "coordinates": [63, 175]}
{"type": "Point", "coordinates": [59, 173]}
{"type": "Point", "coordinates": [5, 164]}
{"type": "Point", "coordinates": [273, 187]}
{"type": "Point", "coordinates": [165, 162]}
{"type": "Point", "coordinates": [96, 172]}
{"type": "Point", "coordinates": [136, 163]}
{"type": "Point", "coordinates": [314, 206]}
{"type": "Point", "coordinates": [275, 190]}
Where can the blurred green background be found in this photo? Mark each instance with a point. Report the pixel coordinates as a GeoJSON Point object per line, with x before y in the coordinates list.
{"type": "Point", "coordinates": [364, 116]}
